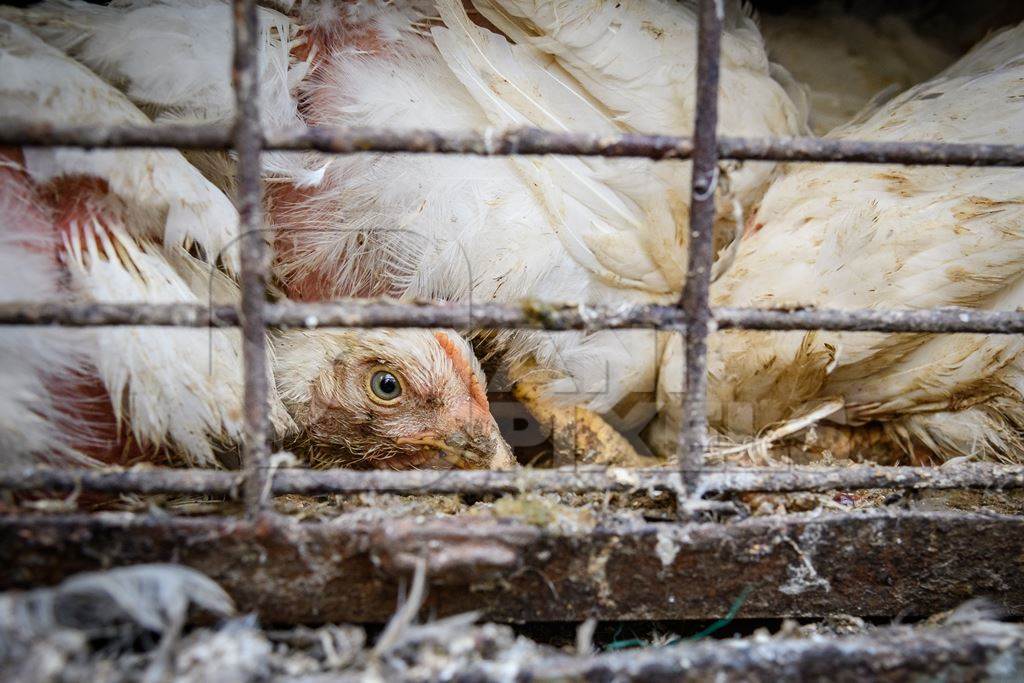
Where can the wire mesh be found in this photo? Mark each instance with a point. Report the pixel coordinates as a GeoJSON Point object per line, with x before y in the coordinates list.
{"type": "Point", "coordinates": [693, 316]}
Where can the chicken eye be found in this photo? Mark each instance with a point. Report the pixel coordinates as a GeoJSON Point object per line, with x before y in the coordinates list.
{"type": "Point", "coordinates": [385, 386]}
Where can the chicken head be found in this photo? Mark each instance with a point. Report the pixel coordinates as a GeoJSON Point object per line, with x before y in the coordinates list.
{"type": "Point", "coordinates": [390, 399]}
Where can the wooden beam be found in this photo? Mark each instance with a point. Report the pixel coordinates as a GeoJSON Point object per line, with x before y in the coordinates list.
{"type": "Point", "coordinates": [869, 564]}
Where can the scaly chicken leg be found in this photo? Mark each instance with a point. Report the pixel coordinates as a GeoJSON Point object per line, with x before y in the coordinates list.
{"type": "Point", "coordinates": [578, 435]}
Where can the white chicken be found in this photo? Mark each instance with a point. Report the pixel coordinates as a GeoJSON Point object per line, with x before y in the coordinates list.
{"type": "Point", "coordinates": [847, 62]}
{"type": "Point", "coordinates": [547, 228]}
{"type": "Point", "coordinates": [864, 236]}
{"type": "Point", "coordinates": [146, 226]}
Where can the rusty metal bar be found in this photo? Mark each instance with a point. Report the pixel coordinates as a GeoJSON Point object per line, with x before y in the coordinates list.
{"type": "Point", "coordinates": [870, 152]}
{"type": "Point", "coordinates": [102, 314]}
{"type": "Point", "coordinates": [985, 650]}
{"type": "Point", "coordinates": [982, 650]}
{"type": "Point", "coordinates": [165, 135]}
{"type": "Point", "coordinates": [948, 320]}
{"type": "Point", "coordinates": [512, 141]}
{"type": "Point", "coordinates": [528, 315]}
{"type": "Point", "coordinates": [254, 252]}
{"type": "Point", "coordinates": [576, 480]}
{"type": "Point", "coordinates": [693, 436]}
{"type": "Point", "coordinates": [352, 313]}
{"type": "Point", "coordinates": [347, 568]}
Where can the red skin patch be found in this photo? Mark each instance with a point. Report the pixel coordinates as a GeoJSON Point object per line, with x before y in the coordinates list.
{"type": "Point", "coordinates": [86, 408]}
{"type": "Point", "coordinates": [289, 208]}
{"type": "Point", "coordinates": [288, 205]}
{"type": "Point", "coordinates": [285, 204]}
{"type": "Point", "coordinates": [464, 371]}
{"type": "Point", "coordinates": [321, 41]}
{"type": "Point", "coordinates": [752, 225]}
{"type": "Point", "coordinates": [63, 204]}
{"type": "Point", "coordinates": [18, 192]}
{"type": "Point", "coordinates": [86, 411]}
{"type": "Point", "coordinates": [313, 286]}
{"type": "Point", "coordinates": [76, 202]}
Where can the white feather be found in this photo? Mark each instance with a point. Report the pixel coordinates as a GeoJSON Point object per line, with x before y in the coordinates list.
{"type": "Point", "coordinates": [179, 388]}
{"type": "Point", "coordinates": [128, 44]}
{"type": "Point", "coordinates": [31, 427]}
{"type": "Point", "coordinates": [547, 228]}
{"type": "Point", "coordinates": [850, 236]}
{"type": "Point", "coordinates": [845, 60]}
{"type": "Point", "coordinates": [172, 387]}
{"type": "Point", "coordinates": [557, 229]}
{"type": "Point", "coordinates": [170, 199]}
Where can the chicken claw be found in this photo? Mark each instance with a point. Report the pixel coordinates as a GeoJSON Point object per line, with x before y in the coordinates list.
{"type": "Point", "coordinates": [578, 436]}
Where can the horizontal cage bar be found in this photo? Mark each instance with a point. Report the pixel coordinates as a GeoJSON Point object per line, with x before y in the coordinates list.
{"type": "Point", "coordinates": [894, 653]}
{"type": "Point", "coordinates": [503, 142]}
{"type": "Point", "coordinates": [529, 315]}
{"type": "Point", "coordinates": [578, 480]}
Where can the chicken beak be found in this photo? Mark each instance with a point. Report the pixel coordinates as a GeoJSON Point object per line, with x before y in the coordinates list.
{"type": "Point", "coordinates": [479, 450]}
{"type": "Point", "coordinates": [467, 452]}
{"type": "Point", "coordinates": [473, 440]}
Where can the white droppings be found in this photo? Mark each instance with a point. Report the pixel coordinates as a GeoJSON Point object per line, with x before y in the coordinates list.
{"type": "Point", "coordinates": [624, 476]}
{"type": "Point", "coordinates": [666, 548]}
{"type": "Point", "coordinates": [802, 575]}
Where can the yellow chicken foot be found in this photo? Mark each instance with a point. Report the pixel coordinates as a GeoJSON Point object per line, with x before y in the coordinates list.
{"type": "Point", "coordinates": [578, 435]}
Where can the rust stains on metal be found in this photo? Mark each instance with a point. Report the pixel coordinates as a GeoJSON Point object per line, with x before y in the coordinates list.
{"type": "Point", "coordinates": [938, 320]}
{"type": "Point", "coordinates": [362, 313]}
{"type": "Point", "coordinates": [693, 435]}
{"type": "Point", "coordinates": [524, 141]}
{"type": "Point", "coordinates": [962, 652]}
{"type": "Point", "coordinates": [255, 253]}
{"type": "Point", "coordinates": [567, 316]}
{"type": "Point", "coordinates": [455, 555]}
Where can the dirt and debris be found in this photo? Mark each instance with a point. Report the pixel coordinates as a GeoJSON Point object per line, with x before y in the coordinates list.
{"type": "Point", "coordinates": [557, 509]}
{"type": "Point", "coordinates": [129, 625]}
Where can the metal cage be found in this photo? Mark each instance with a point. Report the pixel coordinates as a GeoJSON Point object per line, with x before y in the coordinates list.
{"type": "Point", "coordinates": [925, 561]}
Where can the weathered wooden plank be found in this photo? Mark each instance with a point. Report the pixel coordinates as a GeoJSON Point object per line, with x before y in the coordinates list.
{"type": "Point", "coordinates": [873, 563]}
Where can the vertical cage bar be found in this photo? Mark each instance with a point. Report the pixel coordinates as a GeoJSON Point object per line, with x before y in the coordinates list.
{"type": "Point", "coordinates": [255, 262]}
{"type": "Point", "coordinates": [693, 438]}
